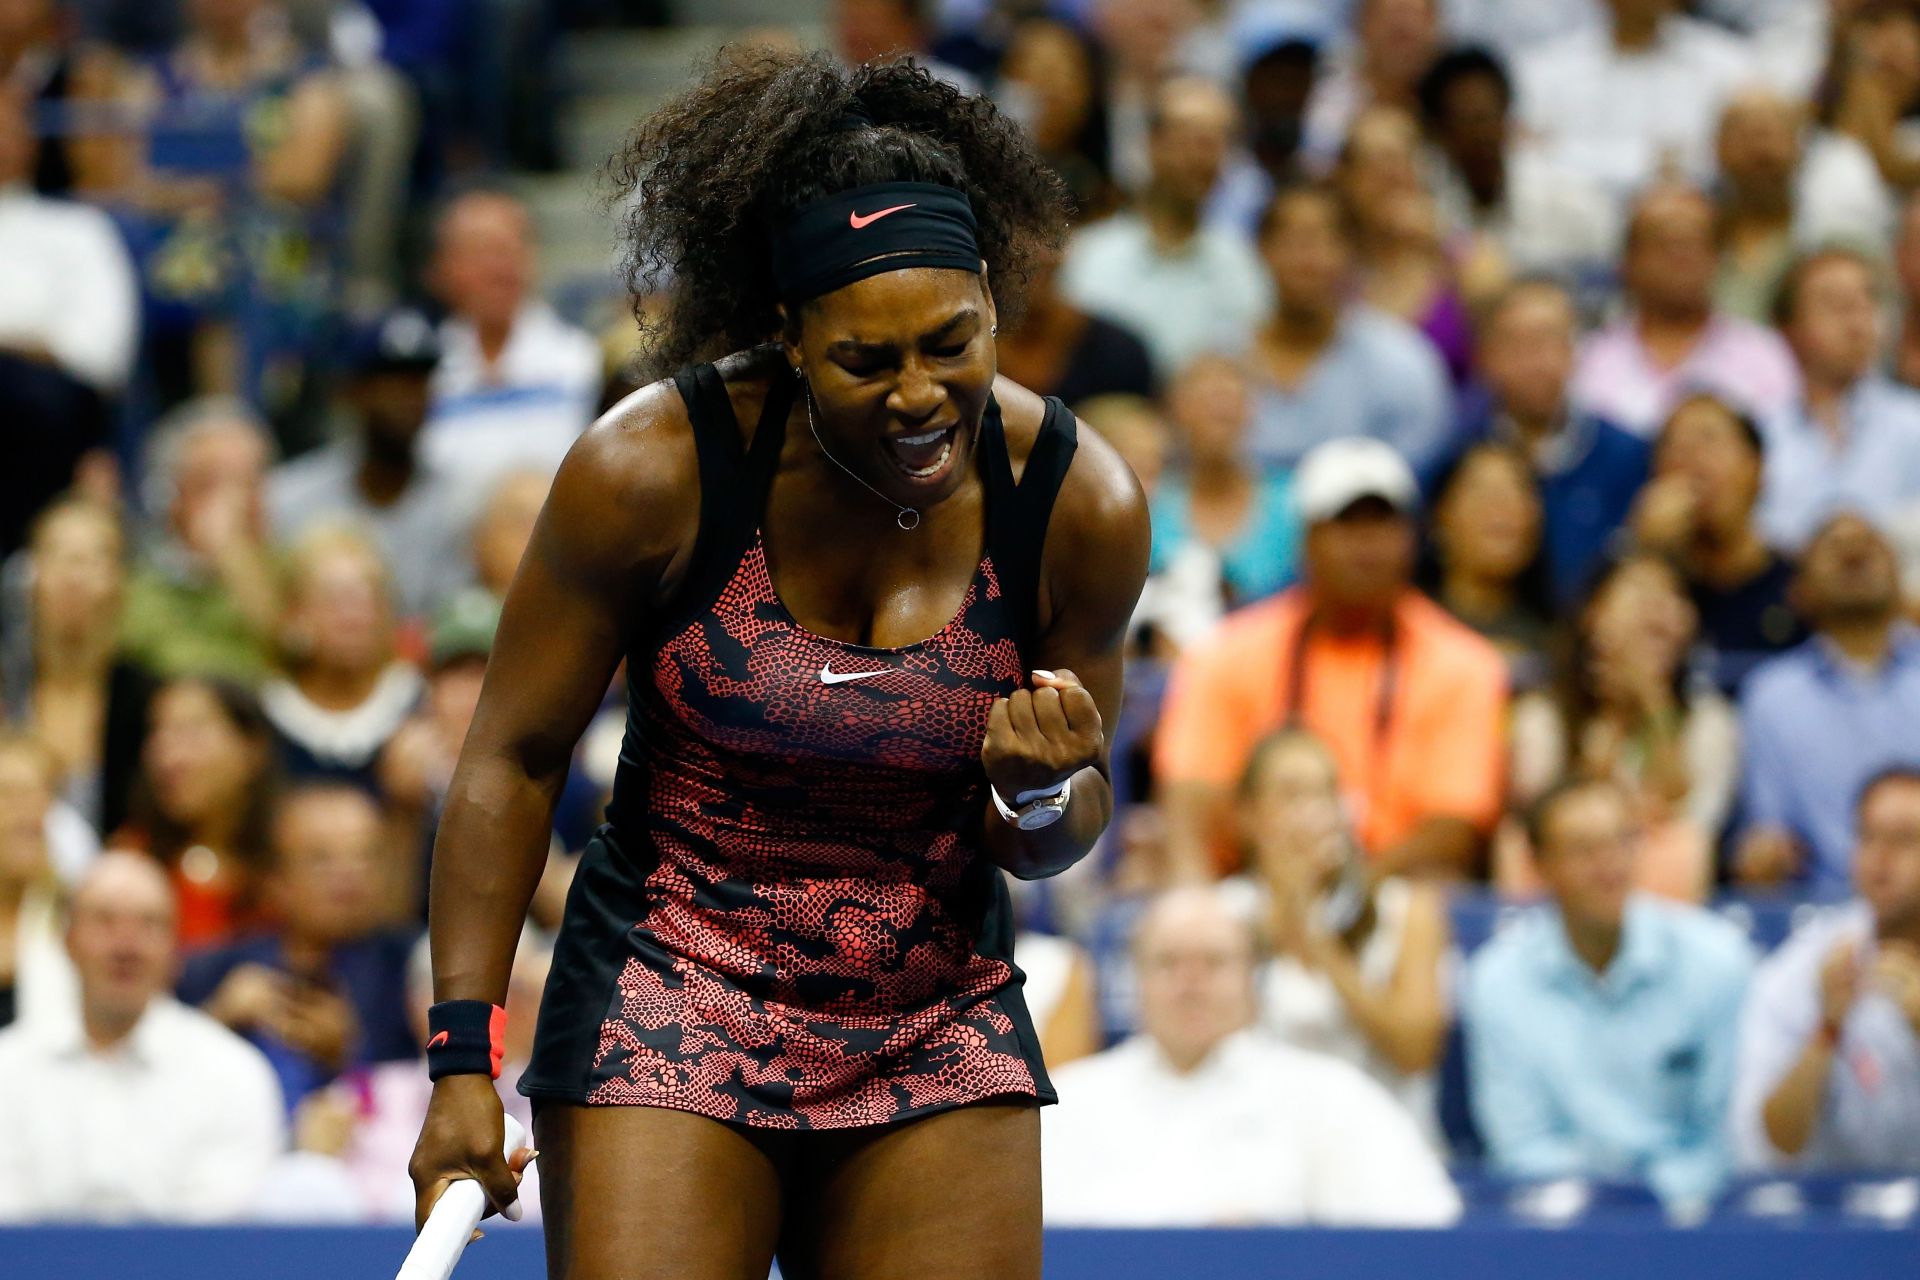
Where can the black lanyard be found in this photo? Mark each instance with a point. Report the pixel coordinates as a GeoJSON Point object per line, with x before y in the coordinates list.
{"type": "Point", "coordinates": [1383, 699]}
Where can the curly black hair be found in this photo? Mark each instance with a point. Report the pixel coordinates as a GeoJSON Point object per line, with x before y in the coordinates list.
{"type": "Point", "coordinates": [706, 177]}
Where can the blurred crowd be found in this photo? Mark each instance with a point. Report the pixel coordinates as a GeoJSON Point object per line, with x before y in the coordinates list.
{"type": "Point", "coordinates": [1519, 772]}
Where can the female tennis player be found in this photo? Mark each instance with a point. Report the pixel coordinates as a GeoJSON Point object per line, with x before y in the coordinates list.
{"type": "Point", "coordinates": [871, 599]}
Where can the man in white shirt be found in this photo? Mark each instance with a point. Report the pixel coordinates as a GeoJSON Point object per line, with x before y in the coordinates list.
{"type": "Point", "coordinates": [137, 1108]}
{"type": "Point", "coordinates": [1828, 1075]}
{"type": "Point", "coordinates": [1186, 288]}
{"type": "Point", "coordinates": [1200, 1120]}
{"type": "Point", "coordinates": [1627, 102]}
{"type": "Point", "coordinates": [516, 384]}
{"type": "Point", "coordinates": [69, 313]}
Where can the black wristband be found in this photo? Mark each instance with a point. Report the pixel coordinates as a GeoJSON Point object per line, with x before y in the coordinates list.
{"type": "Point", "coordinates": [465, 1037]}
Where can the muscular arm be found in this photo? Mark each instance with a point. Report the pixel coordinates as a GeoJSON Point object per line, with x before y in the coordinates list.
{"type": "Point", "coordinates": [609, 535]}
{"type": "Point", "coordinates": [1093, 568]}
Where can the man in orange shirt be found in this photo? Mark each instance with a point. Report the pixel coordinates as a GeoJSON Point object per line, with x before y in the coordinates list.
{"type": "Point", "coordinates": [1412, 703]}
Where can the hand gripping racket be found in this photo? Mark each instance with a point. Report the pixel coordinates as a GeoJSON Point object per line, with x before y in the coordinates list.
{"type": "Point", "coordinates": [453, 1219]}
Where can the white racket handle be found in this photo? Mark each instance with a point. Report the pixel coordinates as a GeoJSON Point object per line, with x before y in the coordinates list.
{"type": "Point", "coordinates": [437, 1249]}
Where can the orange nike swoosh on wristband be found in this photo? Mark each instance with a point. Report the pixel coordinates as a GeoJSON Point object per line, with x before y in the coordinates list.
{"type": "Point", "coordinates": [437, 1041]}
{"type": "Point", "coordinates": [857, 221]}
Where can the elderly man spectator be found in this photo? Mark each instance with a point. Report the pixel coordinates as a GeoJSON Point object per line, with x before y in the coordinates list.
{"type": "Point", "coordinates": [207, 597]}
{"type": "Point", "coordinates": [1819, 721]}
{"type": "Point", "coordinates": [1410, 701]}
{"type": "Point", "coordinates": [1638, 96]}
{"type": "Point", "coordinates": [1784, 186]}
{"type": "Point", "coordinates": [134, 1107]}
{"type": "Point", "coordinates": [375, 477]}
{"type": "Point", "coordinates": [1186, 288]}
{"type": "Point", "coordinates": [1600, 1028]}
{"type": "Point", "coordinates": [1199, 1119]}
{"type": "Point", "coordinates": [1852, 439]}
{"type": "Point", "coordinates": [516, 384]}
{"type": "Point", "coordinates": [324, 989]}
{"type": "Point", "coordinates": [69, 315]}
{"type": "Point", "coordinates": [1327, 366]}
{"type": "Point", "coordinates": [1486, 181]}
{"type": "Point", "coordinates": [1588, 469]}
{"type": "Point", "coordinates": [1672, 341]}
{"type": "Point", "coordinates": [1395, 41]}
{"type": "Point", "coordinates": [1829, 1069]}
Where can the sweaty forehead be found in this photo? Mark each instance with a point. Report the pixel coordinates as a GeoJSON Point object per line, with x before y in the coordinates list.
{"type": "Point", "coordinates": [895, 307]}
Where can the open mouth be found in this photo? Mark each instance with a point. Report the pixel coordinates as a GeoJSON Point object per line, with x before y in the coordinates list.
{"type": "Point", "coordinates": [922, 457]}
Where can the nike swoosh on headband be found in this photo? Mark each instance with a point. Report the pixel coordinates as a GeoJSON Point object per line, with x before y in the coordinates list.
{"type": "Point", "coordinates": [857, 221]}
{"type": "Point", "coordinates": [829, 676]}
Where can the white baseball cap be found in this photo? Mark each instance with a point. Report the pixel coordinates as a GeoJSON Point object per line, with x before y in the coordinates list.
{"type": "Point", "coordinates": [1335, 475]}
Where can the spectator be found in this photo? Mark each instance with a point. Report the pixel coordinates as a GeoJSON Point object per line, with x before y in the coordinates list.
{"type": "Point", "coordinates": [207, 596]}
{"type": "Point", "coordinates": [61, 77]}
{"type": "Point", "coordinates": [1159, 1130]}
{"type": "Point", "coordinates": [1395, 41]}
{"type": "Point", "coordinates": [516, 384]}
{"type": "Point", "coordinates": [1133, 425]}
{"type": "Point", "coordinates": [1276, 86]}
{"type": "Point", "coordinates": [1184, 287]}
{"type": "Point", "coordinates": [203, 801]}
{"type": "Point", "coordinates": [1507, 193]}
{"type": "Point", "coordinates": [504, 527]}
{"type": "Point", "coordinates": [1059, 991]}
{"type": "Point", "coordinates": [1053, 79]}
{"type": "Point", "coordinates": [1600, 1028]}
{"type": "Point", "coordinates": [879, 30]}
{"type": "Point", "coordinates": [1148, 43]}
{"type": "Point", "coordinates": [69, 315]}
{"type": "Point", "coordinates": [1404, 269]}
{"type": "Point", "coordinates": [1633, 714]}
{"type": "Point", "coordinates": [1488, 565]}
{"type": "Point", "coordinates": [1215, 507]}
{"type": "Point", "coordinates": [1872, 83]}
{"type": "Point", "coordinates": [1588, 468]}
{"type": "Point", "coordinates": [34, 976]}
{"type": "Point", "coordinates": [1634, 99]}
{"type": "Point", "coordinates": [324, 988]}
{"type": "Point", "coordinates": [1698, 512]}
{"type": "Point", "coordinates": [1515, 26]}
{"type": "Point", "coordinates": [1671, 340]}
{"type": "Point", "coordinates": [1358, 967]}
{"type": "Point", "coordinates": [413, 509]}
{"type": "Point", "coordinates": [1785, 186]}
{"type": "Point", "coordinates": [1829, 1069]}
{"type": "Point", "coordinates": [344, 692]}
{"type": "Point", "coordinates": [1057, 349]}
{"type": "Point", "coordinates": [1409, 701]}
{"type": "Point", "coordinates": [1818, 721]}
{"type": "Point", "coordinates": [1852, 439]}
{"type": "Point", "coordinates": [69, 682]}
{"type": "Point", "coordinates": [1325, 366]}
{"type": "Point", "coordinates": [137, 1107]}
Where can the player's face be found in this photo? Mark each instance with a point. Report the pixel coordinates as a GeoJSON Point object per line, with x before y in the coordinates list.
{"type": "Point", "coordinates": [900, 366]}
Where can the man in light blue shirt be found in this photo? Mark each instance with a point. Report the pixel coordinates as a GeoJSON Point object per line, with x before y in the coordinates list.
{"type": "Point", "coordinates": [1852, 441]}
{"type": "Point", "coordinates": [1600, 1029]}
{"type": "Point", "coordinates": [1829, 1066]}
{"type": "Point", "coordinates": [1187, 289]}
{"type": "Point", "coordinates": [1819, 720]}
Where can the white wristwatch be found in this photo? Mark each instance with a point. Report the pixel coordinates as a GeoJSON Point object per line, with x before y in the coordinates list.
{"type": "Point", "coordinates": [1032, 810]}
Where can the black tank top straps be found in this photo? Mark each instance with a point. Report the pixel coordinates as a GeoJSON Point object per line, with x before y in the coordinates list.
{"type": "Point", "coordinates": [736, 477]}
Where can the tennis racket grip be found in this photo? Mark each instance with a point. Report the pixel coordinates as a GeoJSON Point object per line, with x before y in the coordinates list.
{"type": "Point", "coordinates": [437, 1249]}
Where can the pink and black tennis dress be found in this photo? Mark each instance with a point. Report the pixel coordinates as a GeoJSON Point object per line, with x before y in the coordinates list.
{"type": "Point", "coordinates": [787, 921]}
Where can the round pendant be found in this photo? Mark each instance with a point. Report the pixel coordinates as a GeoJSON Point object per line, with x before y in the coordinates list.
{"type": "Point", "coordinates": [200, 864]}
{"type": "Point", "coordinates": [908, 518]}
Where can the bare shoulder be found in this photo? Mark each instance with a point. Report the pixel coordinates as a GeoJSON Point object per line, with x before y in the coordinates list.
{"type": "Point", "coordinates": [629, 489]}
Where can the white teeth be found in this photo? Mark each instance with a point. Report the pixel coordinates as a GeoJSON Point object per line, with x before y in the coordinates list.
{"type": "Point", "coordinates": [916, 441]}
{"type": "Point", "coordinates": [946, 451]}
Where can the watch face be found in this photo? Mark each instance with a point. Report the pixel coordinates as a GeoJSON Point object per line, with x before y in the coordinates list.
{"type": "Point", "coordinates": [1041, 816]}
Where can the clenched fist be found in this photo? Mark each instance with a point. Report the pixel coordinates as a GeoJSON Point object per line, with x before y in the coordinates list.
{"type": "Point", "coordinates": [1040, 737]}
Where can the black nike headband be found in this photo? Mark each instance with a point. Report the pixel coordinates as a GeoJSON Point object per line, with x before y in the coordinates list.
{"type": "Point", "coordinates": [885, 226]}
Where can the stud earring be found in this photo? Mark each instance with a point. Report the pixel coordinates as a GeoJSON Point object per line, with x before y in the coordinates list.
{"type": "Point", "coordinates": [994, 330]}
{"type": "Point", "coordinates": [797, 372]}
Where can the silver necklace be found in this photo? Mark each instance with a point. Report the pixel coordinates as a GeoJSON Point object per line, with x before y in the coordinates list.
{"type": "Point", "coordinates": [906, 517]}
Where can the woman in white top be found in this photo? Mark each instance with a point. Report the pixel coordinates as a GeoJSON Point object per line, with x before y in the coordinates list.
{"type": "Point", "coordinates": [1358, 967]}
{"type": "Point", "coordinates": [34, 973]}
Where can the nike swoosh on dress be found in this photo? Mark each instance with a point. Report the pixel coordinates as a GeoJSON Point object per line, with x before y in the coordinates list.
{"type": "Point", "coordinates": [829, 676]}
{"type": "Point", "coordinates": [857, 221]}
